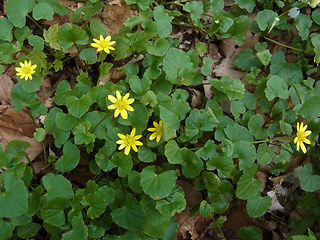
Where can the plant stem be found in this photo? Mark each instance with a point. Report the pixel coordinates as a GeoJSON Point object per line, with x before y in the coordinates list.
{"type": "Point", "coordinates": [221, 232]}
{"type": "Point", "coordinates": [79, 56]}
{"type": "Point", "coordinates": [283, 45]}
{"type": "Point", "coordinates": [299, 96]}
{"type": "Point", "coordinates": [35, 22]}
{"type": "Point", "coordinates": [29, 161]}
{"type": "Point", "coordinates": [273, 139]}
{"type": "Point", "coordinates": [94, 128]}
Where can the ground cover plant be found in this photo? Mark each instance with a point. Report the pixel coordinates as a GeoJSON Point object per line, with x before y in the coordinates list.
{"type": "Point", "coordinates": [193, 120]}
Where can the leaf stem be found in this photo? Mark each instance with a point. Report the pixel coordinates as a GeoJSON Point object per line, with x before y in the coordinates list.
{"type": "Point", "coordinates": [94, 128]}
{"type": "Point", "coordinates": [273, 139]}
{"type": "Point", "coordinates": [283, 45]}
{"type": "Point", "coordinates": [220, 230]}
{"type": "Point", "coordinates": [87, 67]}
{"type": "Point", "coordinates": [299, 96]}
{"type": "Point", "coordinates": [35, 22]}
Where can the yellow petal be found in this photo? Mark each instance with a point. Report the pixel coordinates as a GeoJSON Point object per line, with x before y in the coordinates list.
{"type": "Point", "coordinates": [112, 99]}
{"type": "Point", "coordinates": [134, 147]}
{"type": "Point", "coordinates": [153, 136]}
{"type": "Point", "coordinates": [133, 132]}
{"type": "Point", "coordinates": [127, 150]}
{"type": "Point", "coordinates": [137, 137]}
{"type": "Point", "coordinates": [138, 143]}
{"type": "Point", "coordinates": [121, 136]}
{"type": "Point", "coordinates": [122, 146]}
{"type": "Point", "coordinates": [152, 129]}
{"type": "Point", "coordinates": [129, 108]}
{"type": "Point", "coordinates": [125, 97]}
{"type": "Point", "coordinates": [295, 139]}
{"type": "Point", "coordinates": [130, 101]}
{"type": "Point", "coordinates": [303, 148]}
{"type": "Point", "coordinates": [119, 142]}
{"type": "Point", "coordinates": [124, 114]}
{"type": "Point", "coordinates": [118, 95]}
{"type": "Point", "coordinates": [158, 138]}
{"type": "Point", "coordinates": [113, 106]}
{"type": "Point", "coordinates": [116, 113]}
{"type": "Point", "coordinates": [106, 50]}
{"type": "Point", "coordinates": [307, 133]}
{"type": "Point", "coordinates": [307, 141]}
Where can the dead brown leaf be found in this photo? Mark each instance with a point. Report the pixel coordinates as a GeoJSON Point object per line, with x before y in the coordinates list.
{"type": "Point", "coordinates": [114, 14]}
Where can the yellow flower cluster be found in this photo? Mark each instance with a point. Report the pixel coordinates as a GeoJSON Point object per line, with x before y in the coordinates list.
{"type": "Point", "coordinates": [104, 44]}
{"type": "Point", "coordinates": [26, 70]}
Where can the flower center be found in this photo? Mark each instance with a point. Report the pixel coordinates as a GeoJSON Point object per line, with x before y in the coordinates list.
{"type": "Point", "coordinates": [121, 105]}
{"type": "Point", "coordinates": [301, 135]}
{"type": "Point", "coordinates": [104, 43]}
{"type": "Point", "coordinates": [26, 69]}
{"type": "Point", "coordinates": [130, 141]}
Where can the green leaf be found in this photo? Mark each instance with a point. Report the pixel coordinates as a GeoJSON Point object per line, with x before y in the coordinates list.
{"type": "Point", "coordinates": [70, 34]}
{"type": "Point", "coordinates": [200, 121]}
{"type": "Point", "coordinates": [247, 4]}
{"type": "Point", "coordinates": [14, 200]}
{"type": "Point", "coordinates": [134, 181]}
{"type": "Point", "coordinates": [61, 136]}
{"type": "Point", "coordinates": [216, 6]}
{"type": "Point", "coordinates": [246, 153]}
{"type": "Point", "coordinates": [139, 86]}
{"type": "Point", "coordinates": [65, 121]}
{"type": "Point", "coordinates": [258, 206]}
{"type": "Point", "coordinates": [39, 58]}
{"type": "Point", "coordinates": [39, 134]}
{"type": "Point", "coordinates": [29, 230]}
{"type": "Point", "coordinates": [159, 48]}
{"type": "Point", "coordinates": [206, 67]}
{"type": "Point", "coordinates": [51, 37]}
{"type": "Point", "coordinates": [96, 205]}
{"type": "Point", "coordinates": [179, 68]}
{"type": "Point", "coordinates": [237, 132]}
{"type": "Point", "coordinates": [211, 181]}
{"type": "Point", "coordinates": [155, 223]}
{"type": "Point", "coordinates": [265, 154]}
{"type": "Point", "coordinates": [238, 29]}
{"type": "Point", "coordinates": [131, 216]}
{"type": "Point", "coordinates": [78, 106]}
{"type": "Point", "coordinates": [196, 10]}
{"type": "Point", "coordinates": [123, 162]}
{"type": "Point", "coordinates": [97, 29]}
{"type": "Point", "coordinates": [245, 60]}
{"type": "Point", "coordinates": [107, 193]}
{"type": "Point", "coordinates": [69, 159]}
{"type": "Point", "coordinates": [173, 153]}
{"type": "Point", "coordinates": [82, 134]}
{"type": "Point", "coordinates": [172, 111]}
{"type": "Point", "coordinates": [43, 10]}
{"type": "Point", "coordinates": [303, 23]}
{"type": "Point", "coordinates": [34, 201]}
{"type": "Point", "coordinates": [250, 233]}
{"type": "Point", "coordinates": [208, 150]}
{"type": "Point", "coordinates": [201, 48]}
{"type": "Point", "coordinates": [53, 211]}
{"type": "Point", "coordinates": [308, 181]}
{"type": "Point", "coordinates": [291, 72]}
{"type": "Point", "coordinates": [206, 209]}
{"type": "Point", "coordinates": [103, 155]}
{"type": "Point", "coordinates": [316, 16]}
{"type": "Point", "coordinates": [224, 165]}
{"type": "Point", "coordinates": [248, 187]}
{"type": "Point", "coordinates": [37, 42]}
{"type": "Point", "coordinates": [264, 57]}
{"type": "Point", "coordinates": [163, 21]}
{"type": "Point", "coordinates": [265, 19]}
{"type": "Point", "coordinates": [146, 155]}
{"type": "Point", "coordinates": [192, 164]}
{"type": "Point", "coordinates": [310, 108]}
{"type": "Point", "coordinates": [157, 186]}
{"type": "Point", "coordinates": [5, 30]}
{"type": "Point", "coordinates": [57, 186]}
{"type": "Point", "coordinates": [17, 11]}
{"type": "Point", "coordinates": [173, 204]}
{"type": "Point", "coordinates": [6, 229]}
{"type": "Point", "coordinates": [276, 87]}
{"type": "Point", "coordinates": [79, 230]}
{"type": "Point", "coordinates": [237, 108]}
{"type": "Point", "coordinates": [149, 98]}
{"type": "Point", "coordinates": [62, 91]}
{"type": "Point", "coordinates": [104, 69]}
{"type": "Point", "coordinates": [255, 125]}
{"type": "Point", "coordinates": [30, 85]}
{"type": "Point", "coordinates": [89, 55]}
{"type": "Point", "coordinates": [234, 89]}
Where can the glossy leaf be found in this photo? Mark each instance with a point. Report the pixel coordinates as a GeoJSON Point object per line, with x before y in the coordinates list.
{"type": "Point", "coordinates": [70, 34]}
{"type": "Point", "coordinates": [308, 181]}
{"type": "Point", "coordinates": [69, 159]}
{"type": "Point", "coordinates": [17, 11]}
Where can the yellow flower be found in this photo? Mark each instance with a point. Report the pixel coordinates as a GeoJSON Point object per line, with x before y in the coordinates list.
{"type": "Point", "coordinates": [301, 137]}
{"type": "Point", "coordinates": [129, 141]}
{"type": "Point", "coordinates": [103, 44]}
{"type": "Point", "coordinates": [121, 104]}
{"type": "Point", "coordinates": [26, 70]}
{"type": "Point", "coordinates": [157, 131]}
